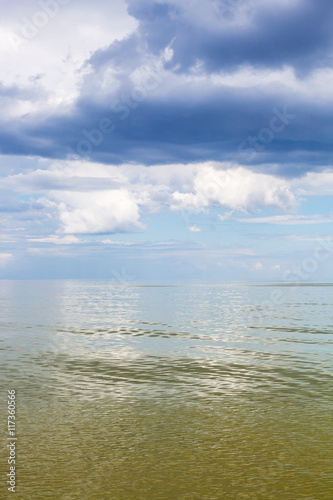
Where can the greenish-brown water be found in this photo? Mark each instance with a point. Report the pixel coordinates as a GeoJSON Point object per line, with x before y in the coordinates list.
{"type": "Point", "coordinates": [197, 391]}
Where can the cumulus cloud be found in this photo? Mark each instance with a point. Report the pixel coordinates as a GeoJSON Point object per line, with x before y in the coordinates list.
{"type": "Point", "coordinates": [235, 188]}
{"type": "Point", "coordinates": [94, 198]}
{"type": "Point", "coordinates": [98, 212]}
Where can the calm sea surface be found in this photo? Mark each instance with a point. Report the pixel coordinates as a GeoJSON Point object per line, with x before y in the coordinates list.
{"type": "Point", "coordinates": [197, 391]}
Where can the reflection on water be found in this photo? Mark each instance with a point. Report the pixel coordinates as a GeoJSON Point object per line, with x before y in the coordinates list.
{"type": "Point", "coordinates": [169, 392]}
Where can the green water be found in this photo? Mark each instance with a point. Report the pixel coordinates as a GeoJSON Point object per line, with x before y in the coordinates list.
{"type": "Point", "coordinates": [199, 391]}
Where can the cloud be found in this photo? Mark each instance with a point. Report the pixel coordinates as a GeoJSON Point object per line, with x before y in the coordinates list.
{"type": "Point", "coordinates": [142, 244]}
{"type": "Point", "coordinates": [179, 81]}
{"type": "Point", "coordinates": [97, 212]}
{"type": "Point", "coordinates": [90, 198]}
{"type": "Point", "coordinates": [225, 216]}
{"type": "Point", "coordinates": [57, 240]}
{"type": "Point", "coordinates": [290, 220]}
{"type": "Point", "coordinates": [96, 199]}
{"type": "Point", "coordinates": [117, 243]}
{"type": "Point", "coordinates": [305, 238]}
{"type": "Point", "coordinates": [315, 183]}
{"type": "Point", "coordinates": [297, 33]}
{"type": "Point", "coordinates": [194, 229]}
{"type": "Point", "coordinates": [32, 49]}
{"type": "Point", "coordinates": [235, 188]}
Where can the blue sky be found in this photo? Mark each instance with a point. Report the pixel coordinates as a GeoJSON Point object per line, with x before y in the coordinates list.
{"type": "Point", "coordinates": [149, 140]}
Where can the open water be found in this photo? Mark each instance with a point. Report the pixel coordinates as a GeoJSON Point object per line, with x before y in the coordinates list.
{"type": "Point", "coordinates": [168, 392]}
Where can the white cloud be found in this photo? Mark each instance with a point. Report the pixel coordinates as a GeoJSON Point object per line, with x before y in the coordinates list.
{"type": "Point", "coordinates": [94, 198]}
{"type": "Point", "coordinates": [57, 240]}
{"type": "Point", "coordinates": [121, 243]}
{"type": "Point", "coordinates": [315, 183]}
{"type": "Point", "coordinates": [97, 212]}
{"type": "Point", "coordinates": [51, 251]}
{"type": "Point", "coordinates": [317, 85]}
{"type": "Point", "coordinates": [6, 238]}
{"type": "Point", "coordinates": [225, 216]}
{"type": "Point", "coordinates": [289, 220]}
{"type": "Point", "coordinates": [301, 238]}
{"type": "Point", "coordinates": [56, 50]}
{"type": "Point", "coordinates": [194, 229]}
{"type": "Point", "coordinates": [235, 188]}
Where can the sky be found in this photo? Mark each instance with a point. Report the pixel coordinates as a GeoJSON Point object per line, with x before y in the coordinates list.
{"type": "Point", "coordinates": [166, 140]}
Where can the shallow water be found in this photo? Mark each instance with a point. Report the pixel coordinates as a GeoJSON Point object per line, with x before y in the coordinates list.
{"type": "Point", "coordinates": [197, 391]}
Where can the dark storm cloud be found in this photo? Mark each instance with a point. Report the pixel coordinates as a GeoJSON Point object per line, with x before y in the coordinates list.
{"type": "Point", "coordinates": [198, 121]}
{"type": "Point", "coordinates": [300, 35]}
{"type": "Point", "coordinates": [227, 125]}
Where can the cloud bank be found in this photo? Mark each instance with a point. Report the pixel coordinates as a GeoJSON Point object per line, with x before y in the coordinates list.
{"type": "Point", "coordinates": [185, 81]}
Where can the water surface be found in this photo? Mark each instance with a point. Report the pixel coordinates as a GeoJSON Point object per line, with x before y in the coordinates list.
{"type": "Point", "coordinates": [171, 392]}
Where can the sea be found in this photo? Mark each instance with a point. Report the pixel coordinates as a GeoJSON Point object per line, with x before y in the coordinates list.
{"type": "Point", "coordinates": [167, 391]}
